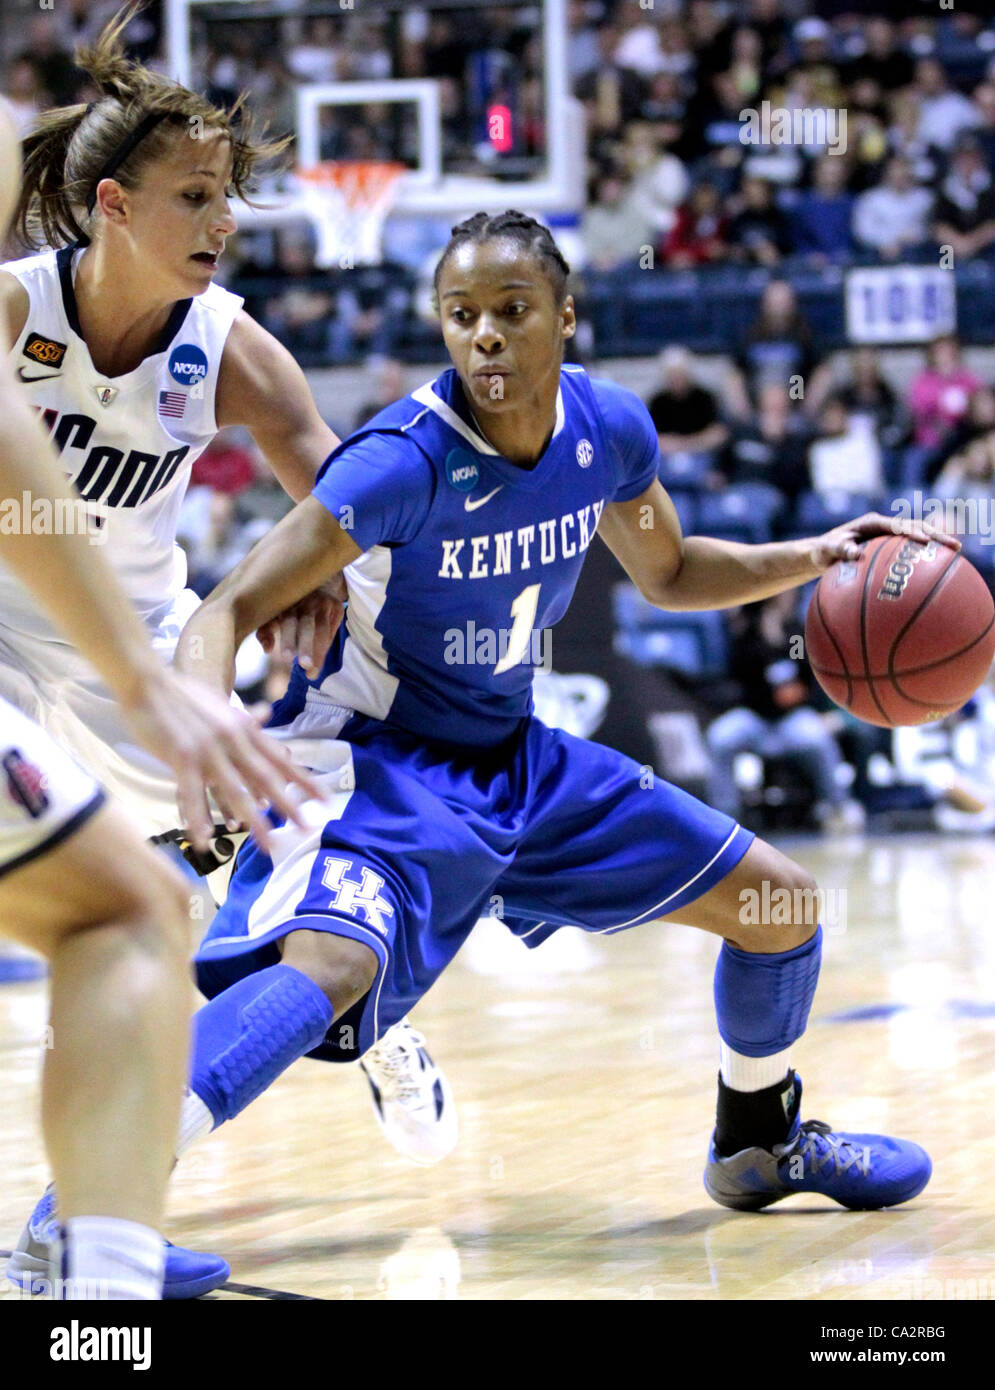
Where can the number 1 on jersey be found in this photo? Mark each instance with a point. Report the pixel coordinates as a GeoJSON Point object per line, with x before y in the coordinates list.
{"type": "Point", "coordinates": [523, 610]}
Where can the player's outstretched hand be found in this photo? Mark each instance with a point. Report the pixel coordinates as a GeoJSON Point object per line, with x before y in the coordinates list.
{"type": "Point", "coordinates": [844, 542]}
{"type": "Point", "coordinates": [217, 748]}
{"type": "Point", "coordinates": [306, 630]}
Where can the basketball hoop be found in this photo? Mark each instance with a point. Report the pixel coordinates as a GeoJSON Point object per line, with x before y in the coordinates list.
{"type": "Point", "coordinates": [348, 201]}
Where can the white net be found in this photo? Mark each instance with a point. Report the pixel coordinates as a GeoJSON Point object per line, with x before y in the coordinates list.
{"type": "Point", "coordinates": [347, 202]}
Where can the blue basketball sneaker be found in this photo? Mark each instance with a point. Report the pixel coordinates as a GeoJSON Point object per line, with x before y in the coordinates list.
{"type": "Point", "coordinates": [189, 1274]}
{"type": "Point", "coordinates": [861, 1171]}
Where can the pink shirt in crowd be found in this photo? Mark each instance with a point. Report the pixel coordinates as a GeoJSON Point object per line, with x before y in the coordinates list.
{"type": "Point", "coordinates": [938, 401]}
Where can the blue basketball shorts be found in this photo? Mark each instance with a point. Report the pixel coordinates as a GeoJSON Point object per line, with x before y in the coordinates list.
{"type": "Point", "coordinates": [414, 842]}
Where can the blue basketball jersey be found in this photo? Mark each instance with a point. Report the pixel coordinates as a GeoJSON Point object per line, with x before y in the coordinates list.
{"type": "Point", "coordinates": [467, 558]}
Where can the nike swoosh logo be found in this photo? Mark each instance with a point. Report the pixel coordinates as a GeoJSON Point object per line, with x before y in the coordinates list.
{"type": "Point", "coordinates": [472, 506]}
{"type": "Point", "coordinates": [49, 376]}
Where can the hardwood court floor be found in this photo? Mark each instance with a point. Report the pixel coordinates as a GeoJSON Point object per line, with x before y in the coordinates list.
{"type": "Point", "coordinates": [585, 1077]}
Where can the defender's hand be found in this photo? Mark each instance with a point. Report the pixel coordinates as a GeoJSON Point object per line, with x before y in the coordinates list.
{"type": "Point", "coordinates": [306, 630]}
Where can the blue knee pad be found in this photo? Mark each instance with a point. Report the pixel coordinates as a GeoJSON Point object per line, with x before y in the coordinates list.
{"type": "Point", "coordinates": [762, 1002]}
{"type": "Point", "coordinates": [250, 1033]}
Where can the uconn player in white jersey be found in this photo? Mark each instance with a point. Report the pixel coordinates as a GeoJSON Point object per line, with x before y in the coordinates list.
{"type": "Point", "coordinates": [134, 359]}
{"type": "Point", "coordinates": [461, 516]}
{"type": "Point", "coordinates": [79, 885]}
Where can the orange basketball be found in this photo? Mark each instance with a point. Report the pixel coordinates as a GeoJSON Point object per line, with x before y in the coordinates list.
{"type": "Point", "coordinates": [903, 635]}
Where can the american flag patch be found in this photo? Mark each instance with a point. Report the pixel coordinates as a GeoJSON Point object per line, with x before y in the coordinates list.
{"type": "Point", "coordinates": [172, 403]}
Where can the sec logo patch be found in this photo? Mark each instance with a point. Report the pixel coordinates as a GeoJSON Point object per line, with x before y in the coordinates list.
{"type": "Point", "coordinates": [585, 453]}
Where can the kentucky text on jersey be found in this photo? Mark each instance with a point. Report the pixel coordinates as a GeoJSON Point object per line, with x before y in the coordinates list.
{"type": "Point", "coordinates": [567, 535]}
{"type": "Point", "coordinates": [467, 558]}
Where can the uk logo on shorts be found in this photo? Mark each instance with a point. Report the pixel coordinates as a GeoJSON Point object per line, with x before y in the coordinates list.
{"type": "Point", "coordinates": [354, 898]}
{"type": "Point", "coordinates": [27, 785]}
{"type": "Point", "coordinates": [187, 364]}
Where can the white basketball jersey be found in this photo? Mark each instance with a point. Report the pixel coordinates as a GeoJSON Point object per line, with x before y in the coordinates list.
{"type": "Point", "coordinates": [126, 443]}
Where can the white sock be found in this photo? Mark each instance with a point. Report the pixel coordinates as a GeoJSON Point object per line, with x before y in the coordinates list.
{"type": "Point", "coordinates": [103, 1257]}
{"type": "Point", "coordinates": [196, 1121]}
{"type": "Point", "coordinates": [752, 1073]}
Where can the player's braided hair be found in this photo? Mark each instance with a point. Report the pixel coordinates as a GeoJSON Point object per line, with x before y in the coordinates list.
{"type": "Point", "coordinates": [531, 235]}
{"type": "Point", "coordinates": [138, 115]}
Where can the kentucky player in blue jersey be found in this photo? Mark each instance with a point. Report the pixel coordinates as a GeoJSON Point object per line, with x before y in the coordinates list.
{"type": "Point", "coordinates": [461, 517]}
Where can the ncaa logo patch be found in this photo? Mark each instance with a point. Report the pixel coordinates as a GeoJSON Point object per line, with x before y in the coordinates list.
{"type": "Point", "coordinates": [187, 364]}
{"type": "Point", "coordinates": [585, 453]}
{"type": "Point", "coordinates": [27, 785]}
{"type": "Point", "coordinates": [462, 470]}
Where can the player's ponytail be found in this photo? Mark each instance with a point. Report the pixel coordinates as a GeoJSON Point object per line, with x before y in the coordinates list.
{"type": "Point", "coordinates": [132, 124]}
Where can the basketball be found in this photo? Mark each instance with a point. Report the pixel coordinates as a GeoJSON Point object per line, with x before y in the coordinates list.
{"type": "Point", "coordinates": [903, 635]}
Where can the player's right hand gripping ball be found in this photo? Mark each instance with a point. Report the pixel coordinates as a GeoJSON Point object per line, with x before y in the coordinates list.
{"type": "Point", "coordinates": [904, 635]}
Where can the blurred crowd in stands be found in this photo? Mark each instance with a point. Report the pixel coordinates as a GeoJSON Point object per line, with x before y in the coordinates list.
{"type": "Point", "coordinates": [895, 160]}
{"type": "Point", "coordinates": [776, 438]}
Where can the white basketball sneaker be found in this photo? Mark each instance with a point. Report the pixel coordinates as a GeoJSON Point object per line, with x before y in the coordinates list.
{"type": "Point", "coordinates": [411, 1096]}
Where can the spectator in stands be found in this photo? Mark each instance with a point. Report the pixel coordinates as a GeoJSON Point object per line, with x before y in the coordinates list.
{"type": "Point", "coordinates": [299, 316]}
{"type": "Point", "coordinates": [882, 59]}
{"type": "Point", "coordinates": [659, 179]}
{"type": "Point", "coordinates": [57, 72]}
{"type": "Point", "coordinates": [26, 96]}
{"type": "Point", "coordinates": [766, 19]}
{"type": "Point", "coordinates": [228, 464]}
{"type": "Point", "coordinates": [820, 220]}
{"type": "Point", "coordinates": [777, 718]}
{"type": "Point", "coordinates": [214, 536]}
{"type": "Point", "coordinates": [389, 386]}
{"type": "Point", "coordinates": [639, 48]}
{"type": "Point", "coordinates": [365, 50]}
{"type": "Point", "coordinates": [893, 219]}
{"type": "Point", "coordinates": [965, 210]}
{"type": "Point", "coordinates": [711, 32]}
{"type": "Point", "coordinates": [906, 140]}
{"type": "Point", "coordinates": [944, 113]}
{"type": "Point", "coordinates": [845, 454]}
{"type": "Point", "coordinates": [977, 423]}
{"type": "Point", "coordinates": [582, 42]}
{"type": "Point", "coordinates": [870, 395]}
{"type": "Point", "coordinates": [984, 132]}
{"type": "Point", "coordinates": [714, 117]}
{"type": "Point", "coordinates": [611, 92]}
{"type": "Point", "coordinates": [939, 394]}
{"type": "Point", "coordinates": [698, 237]}
{"type": "Point", "coordinates": [868, 120]}
{"type": "Point", "coordinates": [274, 95]}
{"type": "Point", "coordinates": [615, 228]}
{"type": "Point", "coordinates": [746, 63]}
{"type": "Point", "coordinates": [778, 349]}
{"type": "Point", "coordinates": [758, 230]}
{"type": "Point", "coordinates": [685, 413]}
{"type": "Point", "coordinates": [318, 57]}
{"type": "Point", "coordinates": [665, 106]}
{"type": "Point", "coordinates": [770, 449]}
{"type": "Point", "coordinates": [811, 38]}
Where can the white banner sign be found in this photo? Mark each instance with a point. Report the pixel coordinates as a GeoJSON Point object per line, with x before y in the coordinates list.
{"type": "Point", "coordinates": [900, 304]}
